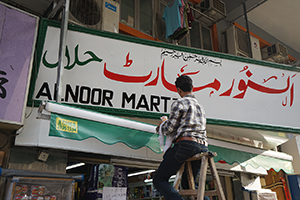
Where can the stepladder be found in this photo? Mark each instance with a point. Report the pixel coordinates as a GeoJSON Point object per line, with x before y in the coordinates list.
{"type": "Point", "coordinates": [199, 193]}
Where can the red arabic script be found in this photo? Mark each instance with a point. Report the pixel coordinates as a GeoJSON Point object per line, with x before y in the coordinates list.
{"type": "Point", "coordinates": [155, 80]}
{"type": "Point", "coordinates": [215, 85]}
{"type": "Point", "coordinates": [128, 61]}
{"type": "Point", "coordinates": [125, 78]}
{"type": "Point", "coordinates": [243, 87]}
{"type": "Point", "coordinates": [189, 73]}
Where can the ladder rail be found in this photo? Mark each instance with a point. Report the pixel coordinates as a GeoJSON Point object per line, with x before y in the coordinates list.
{"type": "Point", "coordinates": [206, 160]}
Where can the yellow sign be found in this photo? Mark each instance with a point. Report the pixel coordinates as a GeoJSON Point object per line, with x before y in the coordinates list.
{"type": "Point", "coordinates": [66, 125]}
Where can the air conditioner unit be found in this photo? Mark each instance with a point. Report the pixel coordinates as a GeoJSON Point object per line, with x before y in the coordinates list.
{"type": "Point", "coordinates": [263, 194]}
{"type": "Point", "coordinates": [110, 16]}
{"type": "Point", "coordinates": [235, 41]}
{"type": "Point", "coordinates": [95, 14]}
{"type": "Point", "coordinates": [275, 53]}
{"type": "Point", "coordinates": [215, 9]}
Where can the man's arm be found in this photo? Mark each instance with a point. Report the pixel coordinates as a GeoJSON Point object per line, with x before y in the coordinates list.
{"type": "Point", "coordinates": [173, 122]}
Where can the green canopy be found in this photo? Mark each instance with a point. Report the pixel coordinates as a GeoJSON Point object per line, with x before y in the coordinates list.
{"type": "Point", "coordinates": [80, 129]}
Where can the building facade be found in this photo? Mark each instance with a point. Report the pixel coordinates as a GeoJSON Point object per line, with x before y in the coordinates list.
{"type": "Point", "coordinates": [92, 93]}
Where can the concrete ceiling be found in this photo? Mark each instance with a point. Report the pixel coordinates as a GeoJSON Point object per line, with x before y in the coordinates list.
{"type": "Point", "coordinates": [278, 17]}
{"type": "Point", "coordinates": [281, 18]}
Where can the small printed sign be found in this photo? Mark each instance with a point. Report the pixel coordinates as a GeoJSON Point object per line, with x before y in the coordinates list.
{"type": "Point", "coordinates": [114, 193]}
{"type": "Point", "coordinates": [110, 6]}
{"type": "Point", "coordinates": [66, 125]}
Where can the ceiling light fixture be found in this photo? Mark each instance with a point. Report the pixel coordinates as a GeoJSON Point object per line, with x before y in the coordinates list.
{"type": "Point", "coordinates": [74, 166]}
{"type": "Point", "coordinates": [142, 172]}
{"type": "Point", "coordinates": [150, 180]}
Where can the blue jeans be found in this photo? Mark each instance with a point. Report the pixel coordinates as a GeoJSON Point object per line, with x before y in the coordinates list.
{"type": "Point", "coordinates": [172, 161]}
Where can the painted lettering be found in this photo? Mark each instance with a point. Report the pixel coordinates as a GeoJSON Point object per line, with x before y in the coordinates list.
{"type": "Point", "coordinates": [128, 99]}
{"type": "Point", "coordinates": [80, 94]}
{"type": "Point", "coordinates": [142, 103]}
{"type": "Point", "coordinates": [85, 95]}
{"type": "Point", "coordinates": [70, 92]}
{"type": "Point", "coordinates": [152, 103]}
{"type": "Point", "coordinates": [155, 101]}
{"type": "Point", "coordinates": [2, 82]}
{"type": "Point", "coordinates": [44, 92]}
{"type": "Point", "coordinates": [165, 99]}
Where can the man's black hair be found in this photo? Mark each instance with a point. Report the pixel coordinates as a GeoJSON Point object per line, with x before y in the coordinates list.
{"type": "Point", "coordinates": [185, 83]}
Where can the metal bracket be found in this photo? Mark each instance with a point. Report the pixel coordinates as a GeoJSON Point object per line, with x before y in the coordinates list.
{"type": "Point", "coordinates": [54, 9]}
{"type": "Point", "coordinates": [41, 115]}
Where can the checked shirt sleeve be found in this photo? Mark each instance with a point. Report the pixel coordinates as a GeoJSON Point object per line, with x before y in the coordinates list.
{"type": "Point", "coordinates": [172, 124]}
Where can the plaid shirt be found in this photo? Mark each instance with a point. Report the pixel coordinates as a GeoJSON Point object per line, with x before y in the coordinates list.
{"type": "Point", "coordinates": [187, 118]}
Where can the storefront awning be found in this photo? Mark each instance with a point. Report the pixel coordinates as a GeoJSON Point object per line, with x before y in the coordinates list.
{"type": "Point", "coordinates": [232, 156]}
{"type": "Point", "coordinates": [78, 124]}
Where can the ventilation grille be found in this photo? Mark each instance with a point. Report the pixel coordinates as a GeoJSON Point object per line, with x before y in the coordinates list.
{"type": "Point", "coordinates": [224, 42]}
{"type": "Point", "coordinates": [243, 42]}
{"type": "Point", "coordinates": [271, 50]}
{"type": "Point", "coordinates": [282, 50]}
{"type": "Point", "coordinates": [87, 12]}
{"type": "Point", "coordinates": [275, 53]}
{"type": "Point", "coordinates": [219, 5]}
{"type": "Point", "coordinates": [204, 5]}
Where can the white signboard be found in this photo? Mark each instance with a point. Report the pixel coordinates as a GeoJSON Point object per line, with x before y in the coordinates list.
{"type": "Point", "coordinates": [114, 193]}
{"type": "Point", "coordinates": [106, 72]}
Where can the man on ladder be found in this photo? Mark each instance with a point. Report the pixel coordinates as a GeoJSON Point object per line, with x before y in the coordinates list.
{"type": "Point", "coordinates": [186, 127]}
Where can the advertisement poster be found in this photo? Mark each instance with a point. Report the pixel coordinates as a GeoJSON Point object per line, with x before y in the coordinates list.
{"type": "Point", "coordinates": [106, 177]}
{"type": "Point", "coordinates": [17, 41]}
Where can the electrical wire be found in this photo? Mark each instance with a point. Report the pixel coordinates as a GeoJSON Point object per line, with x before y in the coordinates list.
{"type": "Point", "coordinates": [32, 105]}
{"type": "Point", "coordinates": [7, 139]}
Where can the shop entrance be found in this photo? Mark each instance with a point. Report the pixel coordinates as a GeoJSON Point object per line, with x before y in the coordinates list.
{"type": "Point", "coordinates": [134, 175]}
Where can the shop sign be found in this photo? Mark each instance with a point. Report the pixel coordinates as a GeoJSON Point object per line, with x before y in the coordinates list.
{"type": "Point", "coordinates": [17, 40]}
{"type": "Point", "coordinates": [103, 71]}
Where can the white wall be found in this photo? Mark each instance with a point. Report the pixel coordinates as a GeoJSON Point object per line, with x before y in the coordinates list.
{"type": "Point", "coordinates": [292, 147]}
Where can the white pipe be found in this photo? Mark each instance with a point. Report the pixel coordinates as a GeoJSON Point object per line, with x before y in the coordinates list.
{"type": "Point", "coordinates": [89, 115]}
{"type": "Point", "coordinates": [14, 172]}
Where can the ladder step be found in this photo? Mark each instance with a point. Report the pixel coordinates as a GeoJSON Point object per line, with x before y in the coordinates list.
{"type": "Point", "coordinates": [211, 193]}
{"type": "Point", "coordinates": [187, 192]}
{"type": "Point", "coordinates": [195, 192]}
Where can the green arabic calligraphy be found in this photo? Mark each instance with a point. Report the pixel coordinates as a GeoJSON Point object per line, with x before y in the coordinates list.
{"type": "Point", "coordinates": [76, 60]}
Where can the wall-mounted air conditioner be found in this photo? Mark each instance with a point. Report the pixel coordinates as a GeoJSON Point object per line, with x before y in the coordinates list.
{"type": "Point", "coordinates": [95, 14]}
{"type": "Point", "coordinates": [275, 53]}
{"type": "Point", "coordinates": [235, 41]}
{"type": "Point", "coordinates": [263, 194]}
{"type": "Point", "coordinates": [110, 16]}
{"type": "Point", "coordinates": [215, 9]}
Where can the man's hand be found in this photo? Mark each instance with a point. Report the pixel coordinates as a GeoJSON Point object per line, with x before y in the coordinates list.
{"type": "Point", "coordinates": [157, 128]}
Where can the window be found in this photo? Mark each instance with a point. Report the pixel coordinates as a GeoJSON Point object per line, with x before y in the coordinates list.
{"type": "Point", "coordinates": [145, 19]}
{"type": "Point", "coordinates": [195, 35]}
{"type": "Point", "coordinates": [206, 38]}
{"type": "Point", "coordinates": [138, 14]}
{"type": "Point", "coordinates": [161, 24]}
{"type": "Point", "coordinates": [127, 12]}
{"type": "Point", "coordinates": [199, 35]}
{"type": "Point", "coordinates": [146, 16]}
